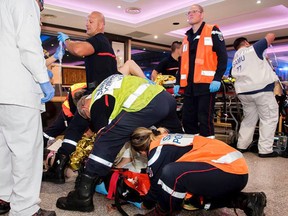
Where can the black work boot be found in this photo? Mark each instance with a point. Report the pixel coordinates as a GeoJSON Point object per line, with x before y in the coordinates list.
{"type": "Point", "coordinates": [81, 199]}
{"type": "Point", "coordinates": [42, 212]}
{"type": "Point", "coordinates": [55, 173]}
{"type": "Point", "coordinates": [252, 204]}
{"type": "Point", "coordinates": [4, 207]}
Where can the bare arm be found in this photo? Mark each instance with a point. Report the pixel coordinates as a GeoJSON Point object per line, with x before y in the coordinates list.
{"type": "Point", "coordinates": [79, 48]}
{"type": "Point", "coordinates": [154, 75]}
{"type": "Point", "coordinates": [270, 37]}
{"type": "Point", "coordinates": [130, 67]}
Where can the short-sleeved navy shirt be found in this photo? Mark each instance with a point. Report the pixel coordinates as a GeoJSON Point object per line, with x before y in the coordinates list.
{"type": "Point", "coordinates": [102, 63]}
{"type": "Point", "coordinates": [168, 66]}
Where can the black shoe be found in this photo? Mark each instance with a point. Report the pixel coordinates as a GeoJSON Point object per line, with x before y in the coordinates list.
{"type": "Point", "coordinates": [42, 212]}
{"type": "Point", "coordinates": [256, 203]}
{"type": "Point", "coordinates": [272, 154]}
{"type": "Point", "coordinates": [4, 207]}
{"type": "Point", "coordinates": [242, 150]}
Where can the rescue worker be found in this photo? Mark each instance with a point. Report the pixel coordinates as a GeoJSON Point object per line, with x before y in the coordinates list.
{"type": "Point", "coordinates": [69, 107]}
{"type": "Point", "coordinates": [203, 63]}
{"type": "Point", "coordinates": [119, 105]}
{"type": "Point", "coordinates": [254, 85]}
{"type": "Point", "coordinates": [170, 64]}
{"type": "Point", "coordinates": [211, 171]}
{"type": "Point", "coordinates": [75, 130]}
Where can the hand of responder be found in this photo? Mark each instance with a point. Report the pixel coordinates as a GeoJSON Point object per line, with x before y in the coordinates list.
{"type": "Point", "coordinates": [176, 89]}
{"type": "Point", "coordinates": [62, 37]}
{"type": "Point", "coordinates": [48, 91]}
{"type": "Point", "coordinates": [214, 86]}
{"type": "Point", "coordinates": [150, 81]}
{"type": "Point", "coordinates": [59, 53]}
{"type": "Point", "coordinates": [137, 204]}
{"type": "Point", "coordinates": [50, 74]}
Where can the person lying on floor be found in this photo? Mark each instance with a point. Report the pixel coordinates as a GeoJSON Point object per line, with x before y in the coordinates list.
{"type": "Point", "coordinates": [212, 171]}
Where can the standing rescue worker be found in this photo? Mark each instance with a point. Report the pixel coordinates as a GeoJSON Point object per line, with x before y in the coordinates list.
{"type": "Point", "coordinates": [203, 63]}
{"type": "Point", "coordinates": [119, 105]}
{"type": "Point", "coordinates": [25, 88]}
{"type": "Point", "coordinates": [211, 171]}
{"type": "Point", "coordinates": [254, 85]}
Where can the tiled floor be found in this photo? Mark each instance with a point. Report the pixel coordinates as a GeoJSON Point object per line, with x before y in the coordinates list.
{"type": "Point", "coordinates": [266, 174]}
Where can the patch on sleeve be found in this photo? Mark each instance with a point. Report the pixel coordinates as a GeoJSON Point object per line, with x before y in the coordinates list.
{"type": "Point", "coordinates": [220, 36]}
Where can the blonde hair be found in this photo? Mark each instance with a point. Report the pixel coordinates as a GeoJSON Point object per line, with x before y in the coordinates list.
{"type": "Point", "coordinates": [142, 137]}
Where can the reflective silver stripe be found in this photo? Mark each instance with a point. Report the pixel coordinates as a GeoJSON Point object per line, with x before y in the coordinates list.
{"type": "Point", "coordinates": [207, 73]}
{"type": "Point", "coordinates": [100, 160]}
{"type": "Point", "coordinates": [229, 158]}
{"type": "Point", "coordinates": [47, 136]}
{"type": "Point", "coordinates": [170, 191]}
{"type": "Point", "coordinates": [197, 37]}
{"type": "Point", "coordinates": [72, 142]}
{"type": "Point", "coordinates": [155, 156]}
{"type": "Point", "coordinates": [216, 32]}
{"type": "Point", "coordinates": [130, 100]}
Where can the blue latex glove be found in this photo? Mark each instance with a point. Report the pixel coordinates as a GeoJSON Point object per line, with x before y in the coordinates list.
{"type": "Point", "coordinates": [50, 74]}
{"type": "Point", "coordinates": [59, 53]}
{"type": "Point", "coordinates": [150, 81]}
{"type": "Point", "coordinates": [176, 89]}
{"type": "Point", "coordinates": [100, 188]}
{"type": "Point", "coordinates": [138, 205]}
{"type": "Point", "coordinates": [62, 37]}
{"type": "Point", "coordinates": [214, 86]}
{"type": "Point", "coordinates": [48, 91]}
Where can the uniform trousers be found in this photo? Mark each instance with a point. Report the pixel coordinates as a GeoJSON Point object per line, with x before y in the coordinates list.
{"type": "Point", "coordinates": [198, 114]}
{"type": "Point", "coordinates": [197, 178]}
{"type": "Point", "coordinates": [161, 111]}
{"type": "Point", "coordinates": [261, 106]}
{"type": "Point", "coordinates": [21, 158]}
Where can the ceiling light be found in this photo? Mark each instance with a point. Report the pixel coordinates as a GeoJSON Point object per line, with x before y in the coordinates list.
{"type": "Point", "coordinates": [155, 36]}
{"type": "Point", "coordinates": [133, 10]}
{"type": "Point", "coordinates": [119, 6]}
{"type": "Point", "coordinates": [258, 2]}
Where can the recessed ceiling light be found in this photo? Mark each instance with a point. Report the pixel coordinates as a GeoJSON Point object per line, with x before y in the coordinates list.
{"type": "Point", "coordinates": [119, 6]}
{"type": "Point", "coordinates": [155, 36]}
{"type": "Point", "coordinates": [133, 10]}
{"type": "Point", "coordinates": [258, 2]}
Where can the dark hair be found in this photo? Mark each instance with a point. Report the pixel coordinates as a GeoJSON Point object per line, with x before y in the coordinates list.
{"type": "Point", "coordinates": [175, 45]}
{"type": "Point", "coordinates": [239, 42]}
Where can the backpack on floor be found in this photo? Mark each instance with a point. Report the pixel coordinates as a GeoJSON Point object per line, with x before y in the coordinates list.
{"type": "Point", "coordinates": [126, 186]}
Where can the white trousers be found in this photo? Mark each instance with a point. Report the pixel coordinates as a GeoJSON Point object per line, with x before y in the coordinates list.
{"type": "Point", "coordinates": [263, 107]}
{"type": "Point", "coordinates": [21, 158]}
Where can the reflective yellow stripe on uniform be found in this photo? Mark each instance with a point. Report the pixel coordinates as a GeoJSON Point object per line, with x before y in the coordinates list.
{"type": "Point", "coordinates": [132, 98]}
{"type": "Point", "coordinates": [179, 195]}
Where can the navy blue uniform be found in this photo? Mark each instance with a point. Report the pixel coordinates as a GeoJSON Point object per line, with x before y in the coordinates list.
{"type": "Point", "coordinates": [198, 106]}
{"type": "Point", "coordinates": [168, 66]}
